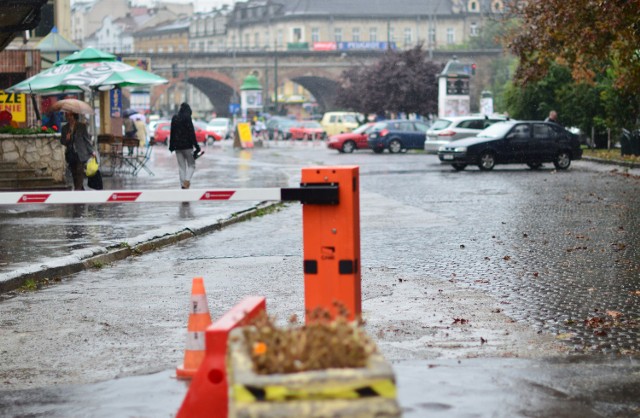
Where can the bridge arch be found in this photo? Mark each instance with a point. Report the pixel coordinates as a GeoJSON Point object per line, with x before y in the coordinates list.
{"type": "Point", "coordinates": [217, 87]}
{"type": "Point", "coordinates": [323, 85]}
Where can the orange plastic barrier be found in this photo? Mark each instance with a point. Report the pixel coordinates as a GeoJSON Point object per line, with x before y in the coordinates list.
{"type": "Point", "coordinates": [199, 320]}
{"type": "Point", "coordinates": [331, 239]}
{"type": "Point", "coordinates": [208, 394]}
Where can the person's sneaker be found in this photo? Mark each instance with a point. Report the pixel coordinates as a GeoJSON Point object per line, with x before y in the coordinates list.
{"type": "Point", "coordinates": [186, 184]}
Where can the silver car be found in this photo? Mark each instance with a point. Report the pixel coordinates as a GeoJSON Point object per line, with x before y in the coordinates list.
{"type": "Point", "coordinates": [221, 126]}
{"type": "Point", "coordinates": [445, 130]}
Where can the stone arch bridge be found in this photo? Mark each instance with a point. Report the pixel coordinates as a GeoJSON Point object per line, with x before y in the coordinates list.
{"type": "Point", "coordinates": [219, 75]}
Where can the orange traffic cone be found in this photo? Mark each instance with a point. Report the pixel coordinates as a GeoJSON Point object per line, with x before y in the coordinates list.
{"type": "Point", "coordinates": [199, 320]}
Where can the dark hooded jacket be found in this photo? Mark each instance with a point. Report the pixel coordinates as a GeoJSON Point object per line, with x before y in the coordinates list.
{"type": "Point", "coordinates": [183, 135]}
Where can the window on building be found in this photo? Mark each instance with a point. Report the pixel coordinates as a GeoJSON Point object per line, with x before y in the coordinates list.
{"type": "Point", "coordinates": [279, 38]}
{"type": "Point", "coordinates": [408, 36]}
{"type": "Point", "coordinates": [256, 40]}
{"type": "Point", "coordinates": [432, 36]}
{"type": "Point", "coordinates": [315, 34]}
{"type": "Point", "coordinates": [473, 29]}
{"type": "Point", "coordinates": [497, 6]}
{"type": "Point", "coordinates": [160, 50]}
{"type": "Point", "coordinates": [267, 35]}
{"type": "Point", "coordinates": [373, 34]}
{"type": "Point", "coordinates": [473, 6]}
{"type": "Point", "coordinates": [451, 39]}
{"type": "Point", "coordinates": [355, 34]}
{"type": "Point", "coordinates": [297, 35]}
{"type": "Point", "coordinates": [391, 35]}
{"type": "Point", "coordinates": [201, 46]}
{"type": "Point", "coordinates": [170, 49]}
{"type": "Point", "coordinates": [337, 34]}
{"type": "Point", "coordinates": [246, 41]}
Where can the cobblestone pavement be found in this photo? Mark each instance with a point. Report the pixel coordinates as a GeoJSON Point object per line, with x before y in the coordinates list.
{"type": "Point", "coordinates": [559, 249]}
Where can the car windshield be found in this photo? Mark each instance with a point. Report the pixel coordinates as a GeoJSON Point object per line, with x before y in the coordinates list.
{"type": "Point", "coordinates": [378, 127]}
{"type": "Point", "coordinates": [362, 129]}
{"type": "Point", "coordinates": [496, 130]}
{"type": "Point", "coordinates": [218, 122]}
{"type": "Point", "coordinates": [349, 119]}
{"type": "Point", "coordinates": [440, 124]}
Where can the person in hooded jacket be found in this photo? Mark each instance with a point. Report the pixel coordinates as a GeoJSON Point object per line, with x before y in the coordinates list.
{"type": "Point", "coordinates": [182, 140]}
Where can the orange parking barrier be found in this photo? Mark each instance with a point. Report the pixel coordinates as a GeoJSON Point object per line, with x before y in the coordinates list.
{"type": "Point", "coordinates": [199, 320]}
{"type": "Point", "coordinates": [208, 394]}
{"type": "Point", "coordinates": [331, 240]}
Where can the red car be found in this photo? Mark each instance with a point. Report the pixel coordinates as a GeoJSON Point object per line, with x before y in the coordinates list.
{"type": "Point", "coordinates": [349, 141]}
{"type": "Point", "coordinates": [307, 129]}
{"type": "Point", "coordinates": [161, 134]}
{"type": "Point", "coordinates": [203, 135]}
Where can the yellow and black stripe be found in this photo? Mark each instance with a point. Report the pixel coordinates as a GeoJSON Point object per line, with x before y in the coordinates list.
{"type": "Point", "coordinates": [384, 388]}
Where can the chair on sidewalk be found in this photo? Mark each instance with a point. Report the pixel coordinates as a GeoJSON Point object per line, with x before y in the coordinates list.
{"type": "Point", "coordinates": [142, 161]}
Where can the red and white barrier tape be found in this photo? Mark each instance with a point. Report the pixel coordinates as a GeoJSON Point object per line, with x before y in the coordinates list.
{"type": "Point", "coordinates": [140, 196]}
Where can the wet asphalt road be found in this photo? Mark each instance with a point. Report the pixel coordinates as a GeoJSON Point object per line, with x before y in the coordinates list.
{"type": "Point", "coordinates": [558, 250]}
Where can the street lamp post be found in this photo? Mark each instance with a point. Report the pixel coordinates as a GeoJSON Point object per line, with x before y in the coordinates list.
{"type": "Point", "coordinates": [275, 77]}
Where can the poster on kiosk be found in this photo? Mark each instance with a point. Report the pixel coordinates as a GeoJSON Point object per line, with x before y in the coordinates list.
{"type": "Point", "coordinates": [453, 90]}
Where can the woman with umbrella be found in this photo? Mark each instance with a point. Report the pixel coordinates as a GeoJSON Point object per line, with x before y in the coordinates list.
{"type": "Point", "coordinates": [75, 136]}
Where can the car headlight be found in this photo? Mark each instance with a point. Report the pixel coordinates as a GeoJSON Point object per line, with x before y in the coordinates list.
{"type": "Point", "coordinates": [460, 149]}
{"type": "Point", "coordinates": [442, 149]}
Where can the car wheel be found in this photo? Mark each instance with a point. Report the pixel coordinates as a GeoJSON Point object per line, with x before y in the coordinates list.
{"type": "Point", "coordinates": [563, 160]}
{"type": "Point", "coordinates": [487, 161]}
{"type": "Point", "coordinates": [348, 147]}
{"type": "Point", "coordinates": [534, 166]}
{"type": "Point", "coordinates": [395, 146]}
{"type": "Point", "coordinates": [458, 167]}
{"type": "Point", "coordinates": [210, 140]}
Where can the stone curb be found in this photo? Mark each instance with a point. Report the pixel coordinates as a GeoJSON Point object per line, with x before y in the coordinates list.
{"type": "Point", "coordinates": [115, 253]}
{"type": "Point", "coordinates": [612, 162]}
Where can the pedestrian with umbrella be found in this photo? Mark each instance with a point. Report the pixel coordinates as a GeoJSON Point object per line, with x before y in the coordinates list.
{"type": "Point", "coordinates": [75, 137]}
{"type": "Point", "coordinates": [182, 140]}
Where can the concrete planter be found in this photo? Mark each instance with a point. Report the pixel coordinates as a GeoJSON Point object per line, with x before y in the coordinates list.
{"type": "Point", "coordinates": [41, 152]}
{"type": "Point", "coordinates": [357, 392]}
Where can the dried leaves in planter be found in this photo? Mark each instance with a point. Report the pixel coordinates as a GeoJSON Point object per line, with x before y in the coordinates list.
{"type": "Point", "coordinates": [319, 345]}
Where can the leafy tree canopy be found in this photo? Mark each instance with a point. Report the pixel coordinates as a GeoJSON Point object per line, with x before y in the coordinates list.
{"type": "Point", "coordinates": [590, 37]}
{"type": "Point", "coordinates": [400, 82]}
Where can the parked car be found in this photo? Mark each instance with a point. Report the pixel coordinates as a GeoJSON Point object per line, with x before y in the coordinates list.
{"type": "Point", "coordinates": [221, 126]}
{"type": "Point", "coordinates": [514, 142]}
{"type": "Point", "coordinates": [204, 134]}
{"type": "Point", "coordinates": [153, 124]}
{"type": "Point", "coordinates": [350, 141]}
{"type": "Point", "coordinates": [445, 130]}
{"type": "Point", "coordinates": [279, 127]}
{"type": "Point", "coordinates": [161, 133]}
{"type": "Point", "coordinates": [307, 129]}
{"type": "Point", "coordinates": [163, 130]}
{"type": "Point", "coordinates": [397, 135]}
{"type": "Point", "coordinates": [340, 122]}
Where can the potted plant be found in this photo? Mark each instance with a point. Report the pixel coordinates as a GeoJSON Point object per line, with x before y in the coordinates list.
{"type": "Point", "coordinates": [327, 368]}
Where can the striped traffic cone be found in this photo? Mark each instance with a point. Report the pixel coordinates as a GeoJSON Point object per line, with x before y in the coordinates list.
{"type": "Point", "coordinates": [199, 320]}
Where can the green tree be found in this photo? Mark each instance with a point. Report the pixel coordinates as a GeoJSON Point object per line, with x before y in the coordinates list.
{"type": "Point", "coordinates": [399, 82]}
{"type": "Point", "coordinates": [589, 37]}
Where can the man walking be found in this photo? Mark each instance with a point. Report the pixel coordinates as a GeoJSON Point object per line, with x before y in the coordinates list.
{"type": "Point", "coordinates": [182, 140]}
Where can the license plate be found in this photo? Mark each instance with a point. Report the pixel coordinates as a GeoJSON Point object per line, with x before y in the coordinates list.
{"type": "Point", "coordinates": [447, 157]}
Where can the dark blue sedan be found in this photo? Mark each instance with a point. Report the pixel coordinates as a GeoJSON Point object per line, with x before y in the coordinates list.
{"type": "Point", "coordinates": [515, 142]}
{"type": "Point", "coordinates": [397, 135]}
